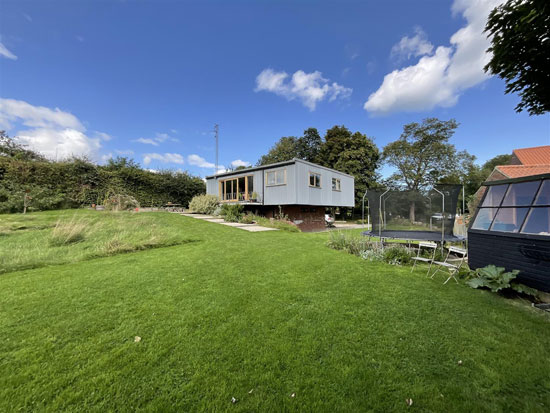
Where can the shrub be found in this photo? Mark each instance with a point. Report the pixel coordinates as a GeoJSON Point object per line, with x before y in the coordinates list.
{"type": "Point", "coordinates": [204, 204]}
{"type": "Point", "coordinates": [247, 219]}
{"type": "Point", "coordinates": [374, 254]}
{"type": "Point", "coordinates": [120, 203]}
{"type": "Point", "coordinates": [497, 279]}
{"type": "Point", "coordinates": [275, 223]}
{"type": "Point", "coordinates": [218, 211]}
{"type": "Point", "coordinates": [397, 255]}
{"type": "Point", "coordinates": [65, 233]}
{"type": "Point", "coordinates": [232, 212]}
{"type": "Point", "coordinates": [339, 240]}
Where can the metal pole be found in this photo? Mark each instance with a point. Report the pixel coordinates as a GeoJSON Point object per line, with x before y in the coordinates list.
{"type": "Point", "coordinates": [443, 218]}
{"type": "Point", "coordinates": [463, 201]}
{"type": "Point", "coordinates": [216, 130]}
{"type": "Point", "coordinates": [363, 210]}
{"type": "Point", "coordinates": [380, 215]}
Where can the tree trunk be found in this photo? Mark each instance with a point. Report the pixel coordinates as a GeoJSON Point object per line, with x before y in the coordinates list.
{"type": "Point", "coordinates": [411, 212]}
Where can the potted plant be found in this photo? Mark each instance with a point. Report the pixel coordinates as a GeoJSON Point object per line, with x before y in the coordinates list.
{"type": "Point", "coordinates": [254, 197]}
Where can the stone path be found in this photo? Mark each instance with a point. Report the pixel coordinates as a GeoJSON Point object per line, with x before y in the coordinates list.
{"type": "Point", "coordinates": [246, 227]}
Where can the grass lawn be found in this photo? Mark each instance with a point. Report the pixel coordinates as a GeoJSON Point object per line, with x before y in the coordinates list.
{"type": "Point", "coordinates": [258, 317]}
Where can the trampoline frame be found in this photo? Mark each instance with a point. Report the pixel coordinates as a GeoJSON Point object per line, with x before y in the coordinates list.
{"type": "Point", "coordinates": [404, 234]}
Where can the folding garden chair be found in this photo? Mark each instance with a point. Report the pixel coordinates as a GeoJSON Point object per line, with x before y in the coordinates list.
{"type": "Point", "coordinates": [454, 266]}
{"type": "Point", "coordinates": [428, 245]}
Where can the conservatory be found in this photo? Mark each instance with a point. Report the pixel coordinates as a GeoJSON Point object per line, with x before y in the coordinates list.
{"type": "Point", "coordinates": [511, 229]}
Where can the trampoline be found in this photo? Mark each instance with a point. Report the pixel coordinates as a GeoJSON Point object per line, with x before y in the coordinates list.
{"type": "Point", "coordinates": [421, 215]}
{"type": "Point", "coordinates": [415, 236]}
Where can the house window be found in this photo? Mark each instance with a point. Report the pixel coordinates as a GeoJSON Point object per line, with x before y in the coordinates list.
{"type": "Point", "coordinates": [314, 180]}
{"type": "Point", "coordinates": [276, 177]}
{"type": "Point", "coordinates": [335, 184]}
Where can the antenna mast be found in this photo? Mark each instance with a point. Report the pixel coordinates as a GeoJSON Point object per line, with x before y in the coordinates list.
{"type": "Point", "coordinates": [216, 130]}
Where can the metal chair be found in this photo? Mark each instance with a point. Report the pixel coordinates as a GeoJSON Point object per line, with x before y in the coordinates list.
{"type": "Point", "coordinates": [429, 245]}
{"type": "Point", "coordinates": [451, 266]}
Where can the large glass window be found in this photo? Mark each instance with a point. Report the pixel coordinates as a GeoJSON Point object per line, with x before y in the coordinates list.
{"type": "Point", "coordinates": [494, 196]}
{"type": "Point", "coordinates": [276, 177]}
{"type": "Point", "coordinates": [543, 198]}
{"type": "Point", "coordinates": [537, 222]}
{"type": "Point", "coordinates": [314, 180]}
{"type": "Point", "coordinates": [521, 194]}
{"type": "Point", "coordinates": [509, 219]}
{"type": "Point", "coordinates": [484, 218]}
{"type": "Point", "coordinates": [236, 189]}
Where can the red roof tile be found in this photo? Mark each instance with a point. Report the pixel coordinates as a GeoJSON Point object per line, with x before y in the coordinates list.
{"type": "Point", "coordinates": [539, 155]}
{"type": "Point", "coordinates": [518, 171]}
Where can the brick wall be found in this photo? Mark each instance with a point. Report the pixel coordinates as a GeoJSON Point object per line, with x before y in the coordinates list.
{"type": "Point", "coordinates": [306, 217]}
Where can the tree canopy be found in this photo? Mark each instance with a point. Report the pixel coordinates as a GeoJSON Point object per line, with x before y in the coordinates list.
{"type": "Point", "coordinates": [351, 153]}
{"type": "Point", "coordinates": [423, 155]}
{"type": "Point", "coordinates": [520, 47]}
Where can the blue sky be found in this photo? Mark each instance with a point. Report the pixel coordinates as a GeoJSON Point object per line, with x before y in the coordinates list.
{"type": "Point", "coordinates": [150, 79]}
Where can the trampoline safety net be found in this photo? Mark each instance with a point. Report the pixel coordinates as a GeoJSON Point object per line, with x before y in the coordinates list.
{"type": "Point", "coordinates": [405, 211]}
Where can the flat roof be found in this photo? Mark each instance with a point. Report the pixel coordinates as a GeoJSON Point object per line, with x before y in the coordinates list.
{"type": "Point", "coordinates": [274, 165]}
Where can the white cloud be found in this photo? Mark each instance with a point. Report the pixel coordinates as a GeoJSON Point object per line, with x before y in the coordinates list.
{"type": "Point", "coordinates": [439, 79]}
{"type": "Point", "coordinates": [126, 152]}
{"type": "Point", "coordinates": [158, 139]}
{"type": "Point", "coordinates": [199, 161]}
{"type": "Point", "coordinates": [59, 144]}
{"type": "Point", "coordinates": [164, 158]}
{"type": "Point", "coordinates": [54, 133]}
{"type": "Point", "coordinates": [237, 162]}
{"type": "Point", "coordinates": [309, 88]}
{"type": "Point", "coordinates": [103, 136]}
{"type": "Point", "coordinates": [412, 46]}
{"type": "Point", "coordinates": [147, 141]}
{"type": "Point", "coordinates": [6, 53]}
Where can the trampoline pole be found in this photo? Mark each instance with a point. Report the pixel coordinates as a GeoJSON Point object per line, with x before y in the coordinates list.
{"type": "Point", "coordinates": [380, 214]}
{"type": "Point", "coordinates": [363, 210]}
{"type": "Point", "coordinates": [442, 218]}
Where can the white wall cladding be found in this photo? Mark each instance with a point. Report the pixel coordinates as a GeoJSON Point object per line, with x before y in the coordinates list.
{"type": "Point", "coordinates": [297, 190]}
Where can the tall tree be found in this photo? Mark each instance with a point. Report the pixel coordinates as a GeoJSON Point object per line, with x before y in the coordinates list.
{"type": "Point", "coordinates": [423, 155]}
{"type": "Point", "coordinates": [488, 166]}
{"type": "Point", "coordinates": [520, 49]}
{"type": "Point", "coordinates": [352, 153]}
{"type": "Point", "coordinates": [284, 150]}
{"type": "Point", "coordinates": [309, 145]}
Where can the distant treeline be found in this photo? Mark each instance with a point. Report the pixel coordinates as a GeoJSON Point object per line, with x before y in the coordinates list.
{"type": "Point", "coordinates": [28, 177]}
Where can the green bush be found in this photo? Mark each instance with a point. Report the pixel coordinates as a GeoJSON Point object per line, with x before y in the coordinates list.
{"type": "Point", "coordinates": [247, 219]}
{"type": "Point", "coordinates": [397, 255]}
{"type": "Point", "coordinates": [275, 223]}
{"type": "Point", "coordinates": [340, 240]}
{"type": "Point", "coordinates": [77, 182]}
{"type": "Point", "coordinates": [497, 280]}
{"type": "Point", "coordinates": [232, 212]}
{"type": "Point", "coordinates": [204, 204]}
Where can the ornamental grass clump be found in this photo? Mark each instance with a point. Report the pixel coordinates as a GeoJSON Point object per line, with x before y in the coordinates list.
{"type": "Point", "coordinates": [65, 233]}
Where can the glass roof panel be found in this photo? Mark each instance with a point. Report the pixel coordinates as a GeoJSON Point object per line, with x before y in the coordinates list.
{"type": "Point", "coordinates": [484, 218]}
{"type": "Point", "coordinates": [521, 194]}
{"type": "Point", "coordinates": [543, 198]}
{"type": "Point", "coordinates": [495, 193]}
{"type": "Point", "coordinates": [537, 222]}
{"type": "Point", "coordinates": [509, 219]}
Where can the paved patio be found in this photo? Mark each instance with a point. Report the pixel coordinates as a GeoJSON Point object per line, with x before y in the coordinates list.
{"type": "Point", "coordinates": [215, 220]}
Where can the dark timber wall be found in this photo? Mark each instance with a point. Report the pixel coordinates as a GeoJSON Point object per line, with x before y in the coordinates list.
{"type": "Point", "coordinates": [528, 254]}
